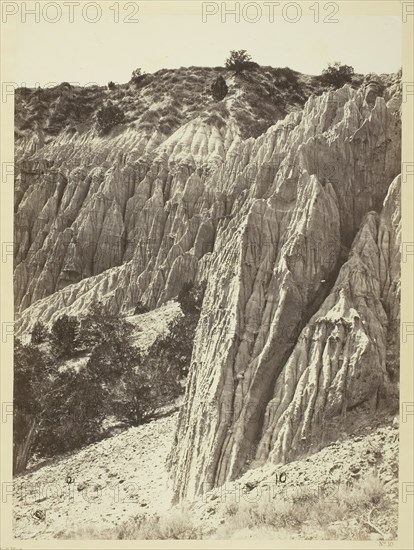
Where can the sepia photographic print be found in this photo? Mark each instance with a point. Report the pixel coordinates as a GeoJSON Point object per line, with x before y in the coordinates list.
{"type": "Point", "coordinates": [207, 258]}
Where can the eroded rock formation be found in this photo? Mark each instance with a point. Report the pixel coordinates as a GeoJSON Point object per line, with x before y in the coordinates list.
{"type": "Point", "coordinates": [299, 324]}
{"type": "Point", "coordinates": [285, 343]}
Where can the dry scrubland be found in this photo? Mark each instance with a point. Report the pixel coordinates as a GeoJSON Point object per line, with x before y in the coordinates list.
{"type": "Point", "coordinates": [169, 98]}
{"type": "Point", "coordinates": [349, 490]}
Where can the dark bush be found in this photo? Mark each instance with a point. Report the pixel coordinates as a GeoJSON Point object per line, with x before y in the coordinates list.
{"type": "Point", "coordinates": [139, 78]}
{"type": "Point", "coordinates": [239, 61]}
{"type": "Point", "coordinates": [111, 85]}
{"type": "Point", "coordinates": [39, 333]}
{"type": "Point", "coordinates": [337, 75]}
{"type": "Point", "coordinates": [215, 120]}
{"type": "Point", "coordinates": [285, 78]}
{"type": "Point", "coordinates": [73, 414]}
{"type": "Point", "coordinates": [191, 297]}
{"type": "Point", "coordinates": [168, 124]}
{"type": "Point", "coordinates": [107, 117]}
{"type": "Point", "coordinates": [219, 88]}
{"type": "Point", "coordinates": [136, 73]}
{"type": "Point", "coordinates": [100, 325]}
{"type": "Point", "coordinates": [63, 336]}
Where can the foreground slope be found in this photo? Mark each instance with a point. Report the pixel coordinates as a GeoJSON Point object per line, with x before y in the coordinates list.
{"type": "Point", "coordinates": [109, 481]}
{"type": "Point", "coordinates": [119, 489]}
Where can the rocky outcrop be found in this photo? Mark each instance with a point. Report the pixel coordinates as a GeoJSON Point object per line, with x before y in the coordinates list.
{"type": "Point", "coordinates": [340, 359]}
{"type": "Point", "coordinates": [295, 342]}
{"type": "Point", "coordinates": [122, 231]}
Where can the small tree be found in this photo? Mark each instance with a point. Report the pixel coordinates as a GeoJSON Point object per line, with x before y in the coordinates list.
{"type": "Point", "coordinates": [136, 73]}
{"type": "Point", "coordinates": [73, 413]}
{"type": "Point", "coordinates": [219, 88]}
{"type": "Point", "coordinates": [239, 61]}
{"type": "Point", "coordinates": [136, 399]}
{"type": "Point", "coordinates": [100, 325]}
{"type": "Point", "coordinates": [107, 117]}
{"type": "Point", "coordinates": [111, 85]}
{"type": "Point", "coordinates": [30, 395]}
{"type": "Point", "coordinates": [191, 297]}
{"type": "Point", "coordinates": [337, 75]}
{"type": "Point", "coordinates": [39, 333]}
{"type": "Point", "coordinates": [63, 335]}
{"type": "Point", "coordinates": [138, 77]}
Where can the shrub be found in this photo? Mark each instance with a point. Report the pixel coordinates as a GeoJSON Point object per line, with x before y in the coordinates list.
{"type": "Point", "coordinates": [136, 73]}
{"type": "Point", "coordinates": [285, 78]}
{"type": "Point", "coordinates": [337, 75]}
{"type": "Point", "coordinates": [169, 357]}
{"type": "Point", "coordinates": [219, 88]}
{"type": "Point", "coordinates": [107, 117]}
{"type": "Point", "coordinates": [100, 325]}
{"type": "Point", "coordinates": [308, 508]}
{"type": "Point", "coordinates": [39, 333]}
{"type": "Point", "coordinates": [167, 124]}
{"type": "Point", "coordinates": [176, 524]}
{"type": "Point", "coordinates": [139, 78]}
{"type": "Point", "coordinates": [191, 297]}
{"type": "Point", "coordinates": [215, 120]}
{"type": "Point", "coordinates": [239, 61]}
{"type": "Point", "coordinates": [73, 414]}
{"type": "Point", "coordinates": [30, 395]}
{"type": "Point", "coordinates": [63, 335]}
{"type": "Point", "coordinates": [111, 85]}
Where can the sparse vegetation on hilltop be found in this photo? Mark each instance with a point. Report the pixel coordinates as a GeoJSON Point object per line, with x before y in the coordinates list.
{"type": "Point", "coordinates": [337, 75]}
{"type": "Point", "coordinates": [239, 61]}
{"type": "Point", "coordinates": [169, 98]}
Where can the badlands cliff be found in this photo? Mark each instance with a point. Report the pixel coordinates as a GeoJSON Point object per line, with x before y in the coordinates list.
{"type": "Point", "coordinates": [296, 232]}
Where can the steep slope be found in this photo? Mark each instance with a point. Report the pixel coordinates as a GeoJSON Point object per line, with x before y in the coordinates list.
{"type": "Point", "coordinates": [248, 395]}
{"type": "Point", "coordinates": [339, 362]}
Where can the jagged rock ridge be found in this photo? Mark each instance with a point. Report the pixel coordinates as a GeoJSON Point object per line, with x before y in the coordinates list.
{"type": "Point", "coordinates": [295, 344]}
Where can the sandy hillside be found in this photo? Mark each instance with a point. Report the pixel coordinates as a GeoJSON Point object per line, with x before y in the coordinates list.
{"type": "Point", "coordinates": [111, 480]}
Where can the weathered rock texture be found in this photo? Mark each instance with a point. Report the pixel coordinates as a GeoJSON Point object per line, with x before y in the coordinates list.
{"type": "Point", "coordinates": [299, 323]}
{"type": "Point", "coordinates": [285, 343]}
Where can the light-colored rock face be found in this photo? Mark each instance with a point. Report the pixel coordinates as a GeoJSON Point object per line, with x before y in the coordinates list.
{"type": "Point", "coordinates": [286, 345]}
{"type": "Point", "coordinates": [300, 317]}
{"type": "Point", "coordinates": [86, 206]}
